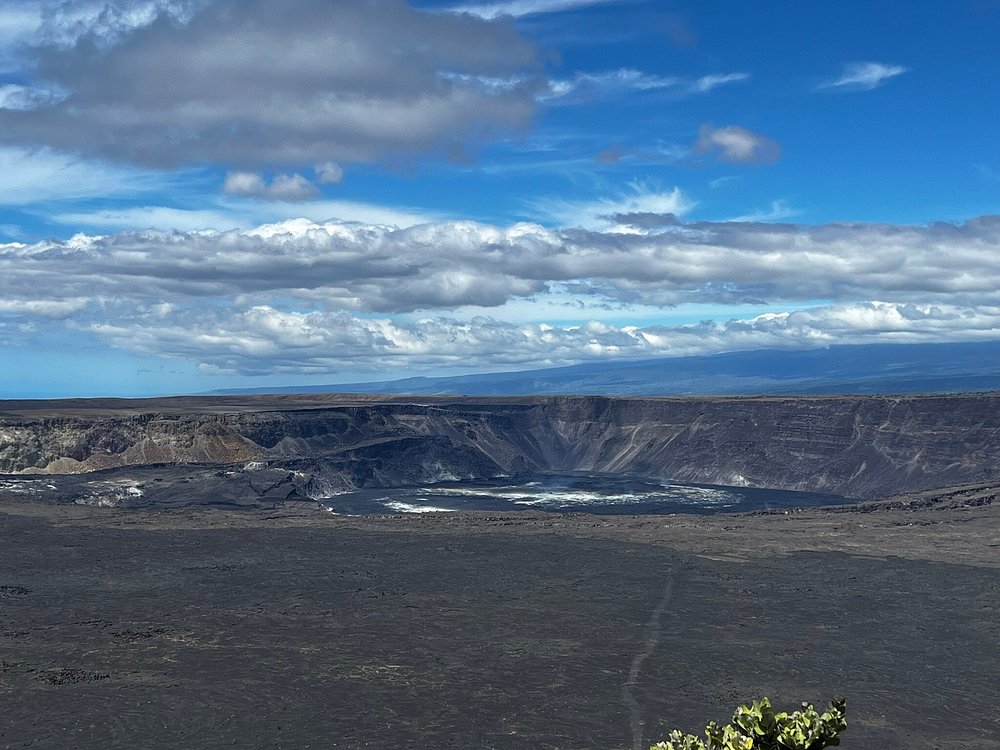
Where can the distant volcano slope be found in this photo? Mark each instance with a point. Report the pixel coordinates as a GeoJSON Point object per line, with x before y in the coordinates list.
{"type": "Point", "coordinates": [856, 369]}
{"type": "Point", "coordinates": [862, 447]}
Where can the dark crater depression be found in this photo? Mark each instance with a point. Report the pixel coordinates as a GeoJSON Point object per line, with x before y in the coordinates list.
{"type": "Point", "coordinates": [601, 494]}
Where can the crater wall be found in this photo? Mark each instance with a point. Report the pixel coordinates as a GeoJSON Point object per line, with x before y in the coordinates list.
{"type": "Point", "coordinates": [861, 447]}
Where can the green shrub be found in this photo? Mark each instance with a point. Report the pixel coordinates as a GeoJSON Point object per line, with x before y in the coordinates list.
{"type": "Point", "coordinates": [757, 727]}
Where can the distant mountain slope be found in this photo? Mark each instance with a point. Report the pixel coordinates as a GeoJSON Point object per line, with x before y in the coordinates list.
{"type": "Point", "coordinates": [873, 368]}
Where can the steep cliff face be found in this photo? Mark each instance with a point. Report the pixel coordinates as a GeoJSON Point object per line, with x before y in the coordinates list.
{"type": "Point", "coordinates": [860, 447]}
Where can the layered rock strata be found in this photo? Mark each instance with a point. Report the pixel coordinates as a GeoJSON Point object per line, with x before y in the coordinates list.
{"type": "Point", "coordinates": [861, 447]}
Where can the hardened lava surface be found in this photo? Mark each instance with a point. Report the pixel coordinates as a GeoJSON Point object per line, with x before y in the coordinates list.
{"type": "Point", "coordinates": [209, 628]}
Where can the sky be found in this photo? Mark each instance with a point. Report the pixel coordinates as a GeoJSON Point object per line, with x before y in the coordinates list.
{"type": "Point", "coordinates": [205, 194]}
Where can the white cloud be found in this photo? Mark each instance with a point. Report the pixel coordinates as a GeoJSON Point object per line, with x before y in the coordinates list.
{"type": "Point", "coordinates": [33, 176]}
{"type": "Point", "coordinates": [18, 97]}
{"type": "Point", "coordinates": [240, 214]}
{"type": "Point", "coordinates": [520, 8]}
{"type": "Point", "coordinates": [329, 173]}
{"type": "Point", "coordinates": [584, 87]}
{"type": "Point", "coordinates": [598, 214]}
{"type": "Point", "coordinates": [247, 184]}
{"type": "Point", "coordinates": [444, 265]}
{"type": "Point", "coordinates": [298, 296]}
{"type": "Point", "coordinates": [288, 188]}
{"type": "Point", "coordinates": [263, 340]}
{"type": "Point", "coordinates": [707, 83]}
{"type": "Point", "coordinates": [606, 84]}
{"type": "Point", "coordinates": [865, 76]}
{"type": "Point", "coordinates": [857, 323]}
{"type": "Point", "coordinates": [58, 309]}
{"type": "Point", "coordinates": [779, 210]}
{"type": "Point", "coordinates": [291, 188]}
{"type": "Point", "coordinates": [736, 145]}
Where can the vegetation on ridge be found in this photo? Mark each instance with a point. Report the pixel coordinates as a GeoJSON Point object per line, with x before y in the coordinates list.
{"type": "Point", "coordinates": [758, 727]}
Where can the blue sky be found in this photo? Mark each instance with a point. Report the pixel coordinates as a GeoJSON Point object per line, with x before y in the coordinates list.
{"type": "Point", "coordinates": [199, 194]}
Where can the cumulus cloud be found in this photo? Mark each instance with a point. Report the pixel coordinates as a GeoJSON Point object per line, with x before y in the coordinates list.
{"type": "Point", "coordinates": [865, 76]}
{"type": "Point", "coordinates": [329, 173]}
{"type": "Point", "coordinates": [291, 188]}
{"type": "Point", "coordinates": [263, 340]}
{"type": "Point", "coordinates": [288, 188]}
{"type": "Point", "coordinates": [298, 296]}
{"type": "Point", "coordinates": [443, 265]}
{"type": "Point", "coordinates": [736, 145]}
{"type": "Point", "coordinates": [262, 82]}
{"type": "Point", "coordinates": [249, 184]}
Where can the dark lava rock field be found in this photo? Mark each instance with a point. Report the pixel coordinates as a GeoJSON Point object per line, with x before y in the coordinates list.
{"type": "Point", "coordinates": [208, 629]}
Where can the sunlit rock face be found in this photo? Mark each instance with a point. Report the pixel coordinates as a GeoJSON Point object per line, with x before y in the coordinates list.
{"type": "Point", "coordinates": [860, 447]}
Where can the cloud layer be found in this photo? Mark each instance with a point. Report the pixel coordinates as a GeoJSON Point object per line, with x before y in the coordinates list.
{"type": "Point", "coordinates": [258, 82]}
{"type": "Point", "coordinates": [262, 340]}
{"type": "Point", "coordinates": [304, 297]}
